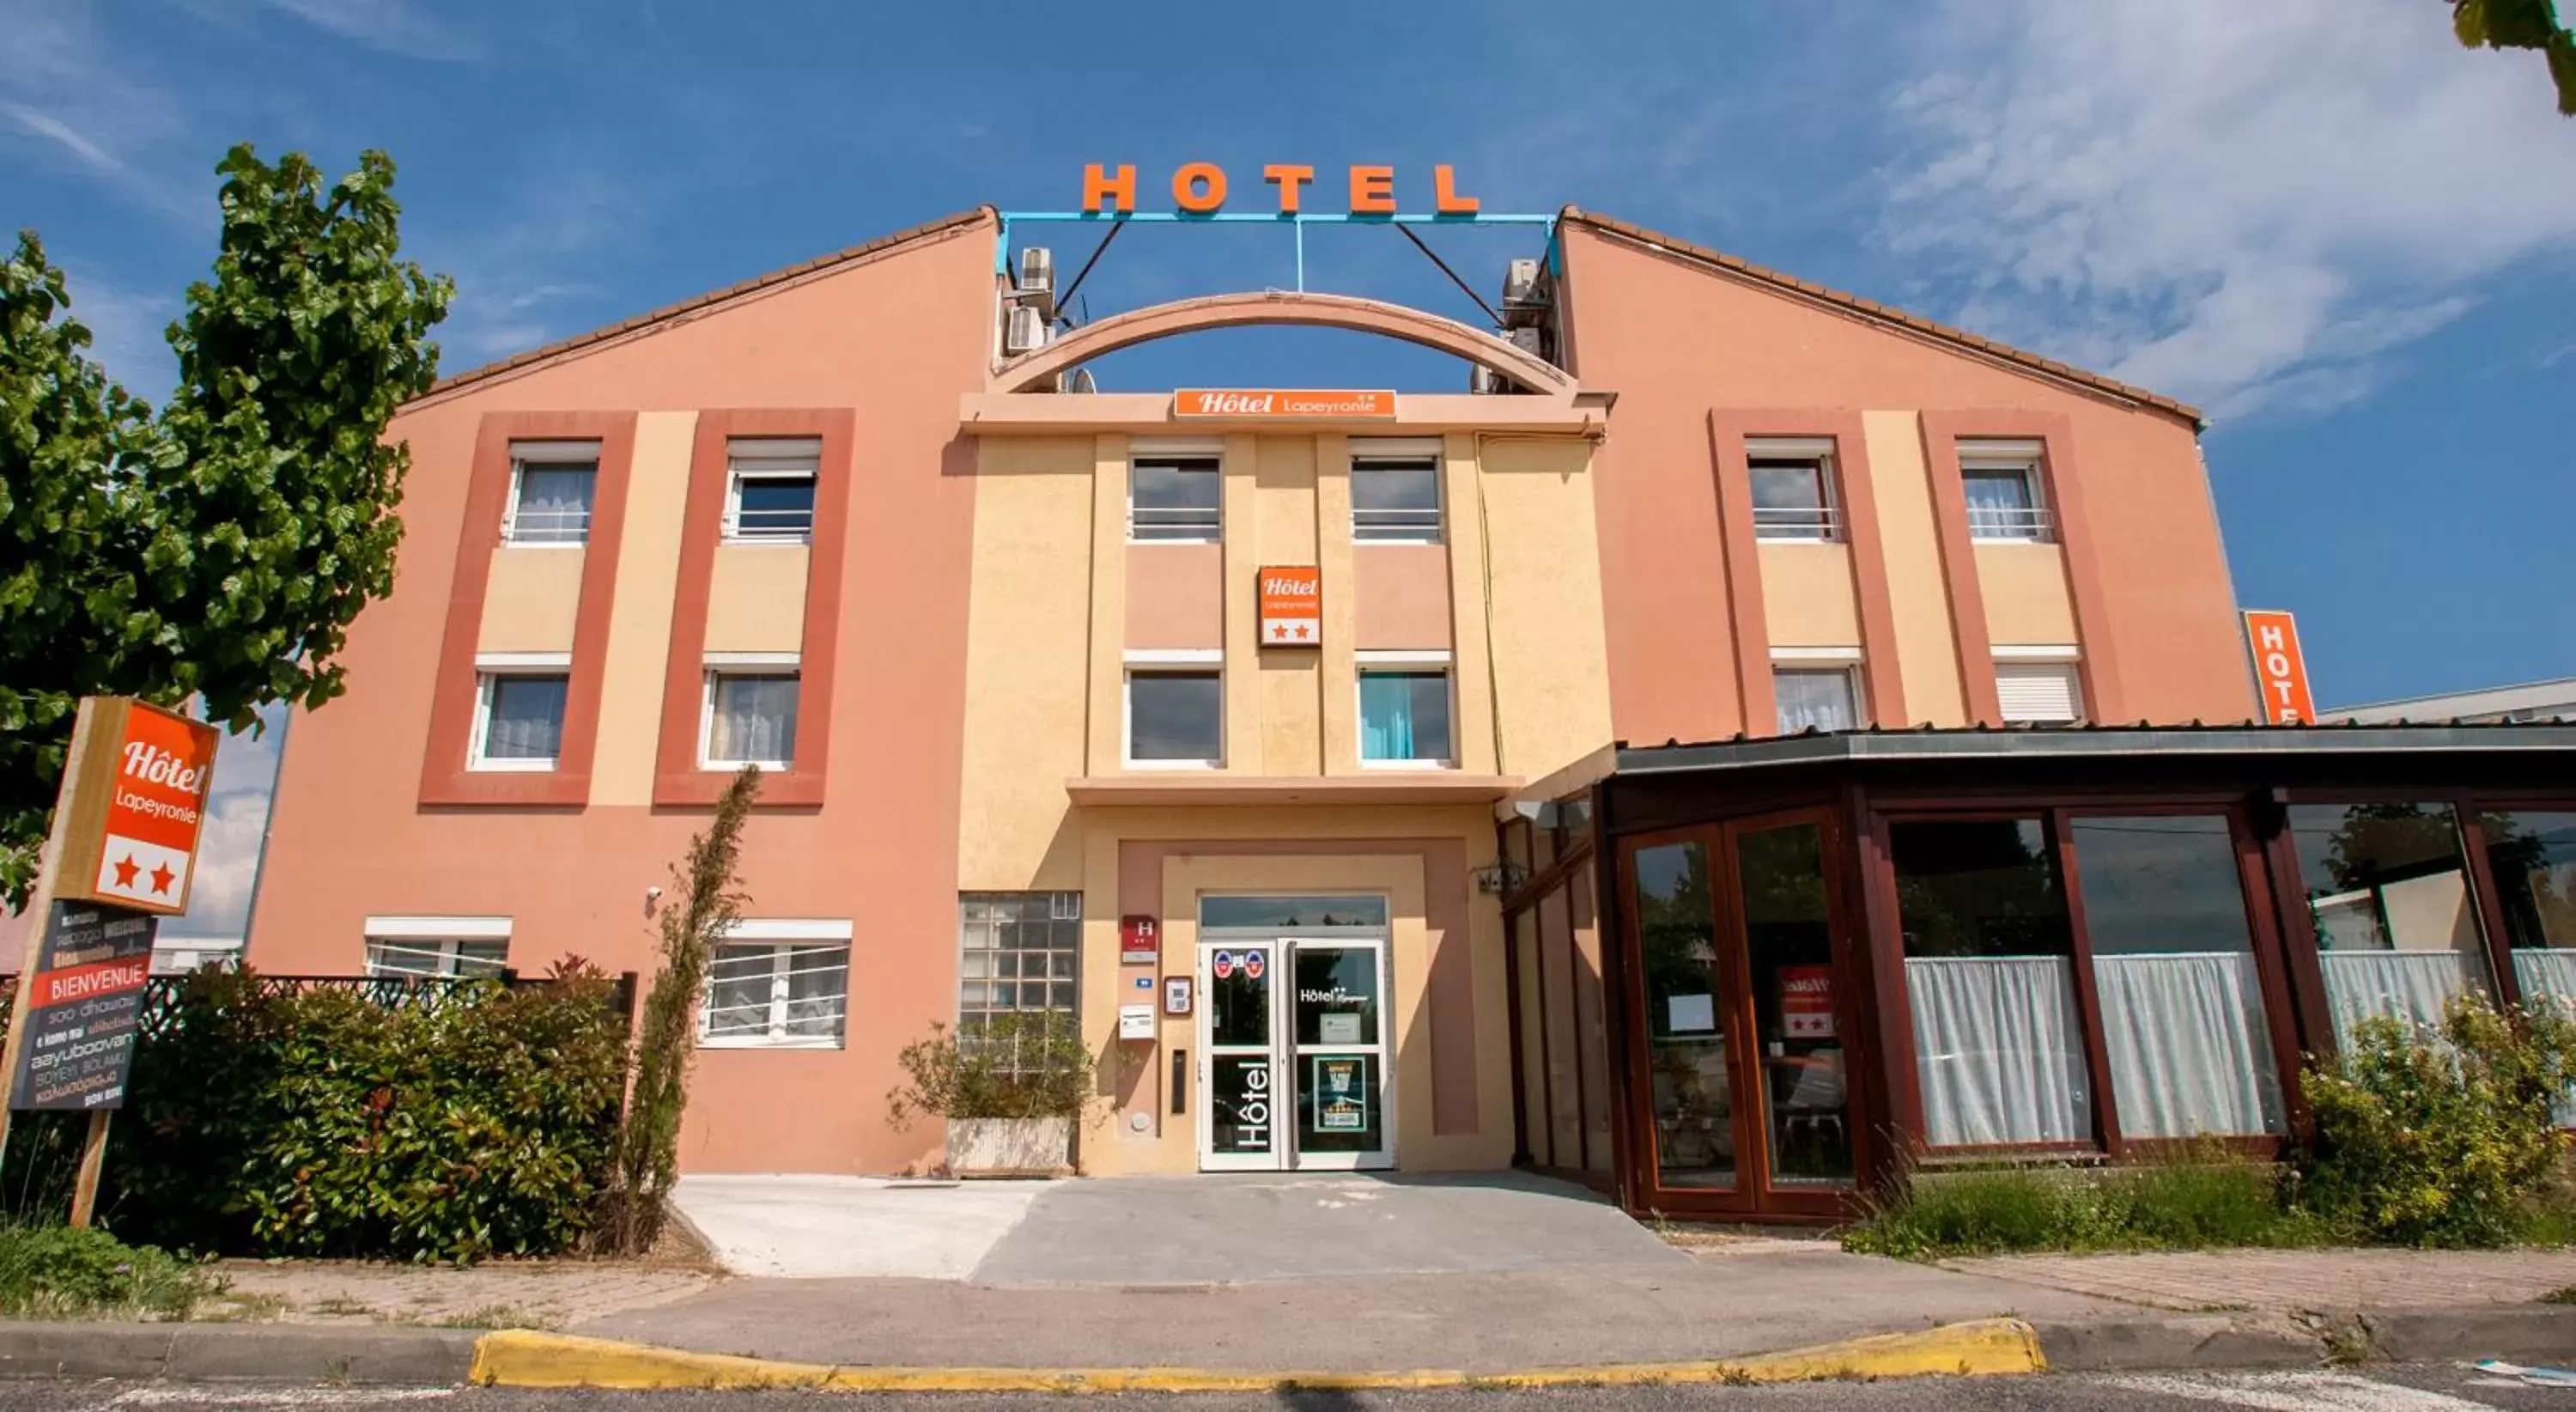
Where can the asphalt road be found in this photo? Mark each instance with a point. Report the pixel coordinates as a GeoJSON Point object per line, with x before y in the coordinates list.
{"type": "Point", "coordinates": [2418, 1389]}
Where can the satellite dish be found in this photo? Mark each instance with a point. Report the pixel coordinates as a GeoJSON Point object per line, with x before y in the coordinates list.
{"type": "Point", "coordinates": [1079, 380]}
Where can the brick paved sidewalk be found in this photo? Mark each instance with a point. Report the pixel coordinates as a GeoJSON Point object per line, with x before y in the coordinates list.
{"type": "Point", "coordinates": [533, 1294]}
{"type": "Point", "coordinates": [2289, 1281]}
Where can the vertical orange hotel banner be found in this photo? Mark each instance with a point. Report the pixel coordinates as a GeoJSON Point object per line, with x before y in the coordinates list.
{"type": "Point", "coordinates": [2280, 670]}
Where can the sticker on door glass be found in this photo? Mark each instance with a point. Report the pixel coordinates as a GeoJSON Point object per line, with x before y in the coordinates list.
{"type": "Point", "coordinates": [1343, 1028]}
{"type": "Point", "coordinates": [1252, 964]}
{"type": "Point", "coordinates": [1239, 1118]}
{"type": "Point", "coordinates": [1222, 964]}
{"type": "Point", "coordinates": [1341, 1095]}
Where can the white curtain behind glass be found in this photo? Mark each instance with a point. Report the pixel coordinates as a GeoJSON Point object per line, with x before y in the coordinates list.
{"type": "Point", "coordinates": [2184, 1031]}
{"type": "Point", "coordinates": [2413, 986]}
{"type": "Point", "coordinates": [1813, 700]}
{"type": "Point", "coordinates": [526, 719]}
{"type": "Point", "coordinates": [1999, 1049]}
{"type": "Point", "coordinates": [755, 719]}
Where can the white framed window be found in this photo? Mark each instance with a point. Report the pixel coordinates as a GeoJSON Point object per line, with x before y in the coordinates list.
{"type": "Point", "coordinates": [1395, 491]}
{"type": "Point", "coordinates": [1407, 720]}
{"type": "Point", "coordinates": [552, 484]}
{"type": "Point", "coordinates": [1818, 696]}
{"type": "Point", "coordinates": [778, 984]}
{"type": "Point", "coordinates": [1175, 710]}
{"type": "Point", "coordinates": [2038, 684]}
{"type": "Point", "coordinates": [769, 489]}
{"type": "Point", "coordinates": [519, 702]}
{"type": "Point", "coordinates": [2004, 492]}
{"type": "Point", "coordinates": [1175, 497]}
{"type": "Point", "coordinates": [437, 947]}
{"type": "Point", "coordinates": [1793, 490]}
{"type": "Point", "coordinates": [749, 715]}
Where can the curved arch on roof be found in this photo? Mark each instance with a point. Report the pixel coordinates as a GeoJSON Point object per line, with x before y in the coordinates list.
{"type": "Point", "coordinates": [1036, 371]}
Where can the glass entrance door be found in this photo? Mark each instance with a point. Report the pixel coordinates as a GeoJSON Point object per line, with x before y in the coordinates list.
{"type": "Point", "coordinates": [1239, 1034]}
{"type": "Point", "coordinates": [1297, 1043]}
{"type": "Point", "coordinates": [1745, 960]}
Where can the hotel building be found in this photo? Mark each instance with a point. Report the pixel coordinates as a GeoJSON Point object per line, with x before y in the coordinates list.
{"type": "Point", "coordinates": [1752, 734]}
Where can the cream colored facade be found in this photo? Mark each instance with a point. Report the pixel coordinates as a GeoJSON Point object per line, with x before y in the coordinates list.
{"type": "Point", "coordinates": [1049, 803]}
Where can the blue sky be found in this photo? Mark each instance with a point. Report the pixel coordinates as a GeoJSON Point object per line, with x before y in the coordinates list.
{"type": "Point", "coordinates": [2352, 241]}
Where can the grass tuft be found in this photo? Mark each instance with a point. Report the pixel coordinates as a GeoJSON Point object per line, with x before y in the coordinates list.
{"type": "Point", "coordinates": [57, 1272]}
{"type": "Point", "coordinates": [2195, 1200]}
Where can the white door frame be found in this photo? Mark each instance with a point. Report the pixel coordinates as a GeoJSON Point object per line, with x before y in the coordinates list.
{"type": "Point", "coordinates": [1282, 1115]}
{"type": "Point", "coordinates": [1289, 1060]}
{"type": "Point", "coordinates": [1381, 1053]}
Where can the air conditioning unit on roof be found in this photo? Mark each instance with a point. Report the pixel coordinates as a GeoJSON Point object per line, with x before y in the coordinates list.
{"type": "Point", "coordinates": [1026, 332]}
{"type": "Point", "coordinates": [1520, 282]}
{"type": "Point", "coordinates": [1036, 283]}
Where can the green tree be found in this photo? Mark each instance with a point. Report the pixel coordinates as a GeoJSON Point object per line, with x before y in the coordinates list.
{"type": "Point", "coordinates": [220, 547]}
{"type": "Point", "coordinates": [710, 902]}
{"type": "Point", "coordinates": [2522, 24]}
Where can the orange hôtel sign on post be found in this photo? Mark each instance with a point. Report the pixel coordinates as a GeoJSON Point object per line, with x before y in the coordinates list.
{"type": "Point", "coordinates": [1199, 189]}
{"type": "Point", "coordinates": [1292, 606]}
{"type": "Point", "coordinates": [2280, 669]}
{"type": "Point", "coordinates": [134, 814]}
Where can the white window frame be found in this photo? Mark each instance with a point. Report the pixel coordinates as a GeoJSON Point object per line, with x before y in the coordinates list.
{"type": "Point", "coordinates": [1368, 453]}
{"type": "Point", "coordinates": [1827, 527]}
{"type": "Point", "coordinates": [442, 937]}
{"type": "Point", "coordinates": [765, 455]}
{"type": "Point", "coordinates": [2047, 654]}
{"type": "Point", "coordinates": [744, 664]}
{"type": "Point", "coordinates": [489, 667]}
{"type": "Point", "coordinates": [2025, 459]}
{"type": "Point", "coordinates": [1845, 660]}
{"type": "Point", "coordinates": [1410, 663]}
{"type": "Point", "coordinates": [1188, 661]}
{"type": "Point", "coordinates": [1176, 449]}
{"type": "Point", "coordinates": [785, 937]}
{"type": "Point", "coordinates": [524, 454]}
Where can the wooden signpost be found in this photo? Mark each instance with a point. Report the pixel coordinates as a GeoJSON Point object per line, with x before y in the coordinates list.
{"type": "Point", "coordinates": [122, 855]}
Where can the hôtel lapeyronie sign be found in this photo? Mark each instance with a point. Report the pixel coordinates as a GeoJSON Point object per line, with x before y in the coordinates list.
{"type": "Point", "coordinates": [1200, 189]}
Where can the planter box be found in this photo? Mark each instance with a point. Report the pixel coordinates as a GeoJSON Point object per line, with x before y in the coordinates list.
{"type": "Point", "coordinates": [1010, 1147]}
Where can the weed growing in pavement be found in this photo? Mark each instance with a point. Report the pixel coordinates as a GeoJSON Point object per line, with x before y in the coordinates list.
{"type": "Point", "coordinates": [2195, 1197]}
{"type": "Point", "coordinates": [57, 1272]}
{"type": "Point", "coordinates": [2564, 1294]}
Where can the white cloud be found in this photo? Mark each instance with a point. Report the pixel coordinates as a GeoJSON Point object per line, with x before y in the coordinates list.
{"type": "Point", "coordinates": [389, 25]}
{"type": "Point", "coordinates": [511, 294]}
{"type": "Point", "coordinates": [2246, 205]}
{"type": "Point", "coordinates": [126, 331]}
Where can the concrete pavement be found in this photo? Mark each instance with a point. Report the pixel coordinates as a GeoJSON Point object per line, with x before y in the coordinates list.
{"type": "Point", "coordinates": [2428, 1388]}
{"type": "Point", "coordinates": [1159, 1230]}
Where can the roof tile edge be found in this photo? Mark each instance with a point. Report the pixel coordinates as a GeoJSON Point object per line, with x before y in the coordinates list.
{"type": "Point", "coordinates": [697, 303]}
{"type": "Point", "coordinates": [1869, 309]}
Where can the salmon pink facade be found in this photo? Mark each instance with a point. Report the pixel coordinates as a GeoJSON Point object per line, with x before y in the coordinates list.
{"type": "Point", "coordinates": [1031, 748]}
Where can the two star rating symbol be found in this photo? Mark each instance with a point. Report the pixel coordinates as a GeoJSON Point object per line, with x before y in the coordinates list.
{"type": "Point", "coordinates": [1279, 632]}
{"type": "Point", "coordinates": [161, 875]}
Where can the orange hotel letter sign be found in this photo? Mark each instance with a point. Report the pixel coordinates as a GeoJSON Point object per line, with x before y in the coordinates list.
{"type": "Point", "coordinates": [1199, 189]}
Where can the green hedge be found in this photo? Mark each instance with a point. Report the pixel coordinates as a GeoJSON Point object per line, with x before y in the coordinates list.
{"type": "Point", "coordinates": [319, 1122]}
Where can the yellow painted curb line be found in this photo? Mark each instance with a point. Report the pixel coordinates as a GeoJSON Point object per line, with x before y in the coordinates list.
{"type": "Point", "coordinates": [520, 1358]}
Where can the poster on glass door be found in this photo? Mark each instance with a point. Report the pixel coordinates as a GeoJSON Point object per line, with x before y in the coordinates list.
{"type": "Point", "coordinates": [1341, 1093]}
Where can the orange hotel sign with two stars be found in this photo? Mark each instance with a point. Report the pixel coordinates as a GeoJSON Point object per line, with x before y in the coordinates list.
{"type": "Point", "coordinates": [136, 808]}
{"type": "Point", "coordinates": [1292, 606]}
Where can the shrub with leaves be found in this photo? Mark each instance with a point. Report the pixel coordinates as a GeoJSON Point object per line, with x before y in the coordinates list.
{"type": "Point", "coordinates": [261, 1121]}
{"type": "Point", "coordinates": [1030, 1065]}
{"type": "Point", "coordinates": [2443, 1136]}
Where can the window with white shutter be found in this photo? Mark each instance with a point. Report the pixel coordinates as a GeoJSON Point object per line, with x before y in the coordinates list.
{"type": "Point", "coordinates": [2038, 691]}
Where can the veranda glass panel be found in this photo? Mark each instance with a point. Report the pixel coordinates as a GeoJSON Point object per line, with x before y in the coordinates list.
{"type": "Point", "coordinates": [2173, 963]}
{"type": "Point", "coordinates": [1990, 980]}
{"type": "Point", "coordinates": [1686, 1018]}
